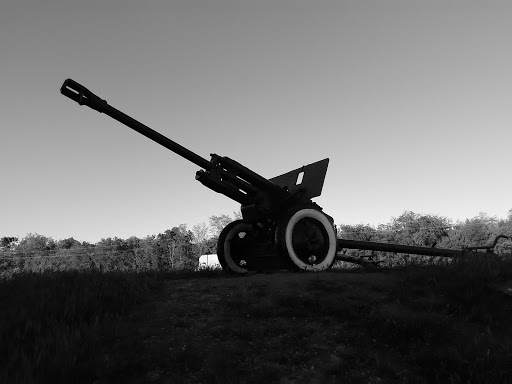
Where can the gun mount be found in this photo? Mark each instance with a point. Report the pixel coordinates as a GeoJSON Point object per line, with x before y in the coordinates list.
{"type": "Point", "coordinates": [281, 226]}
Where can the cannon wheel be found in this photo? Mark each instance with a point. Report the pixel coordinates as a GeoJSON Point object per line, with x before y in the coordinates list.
{"type": "Point", "coordinates": [308, 238]}
{"type": "Point", "coordinates": [232, 246]}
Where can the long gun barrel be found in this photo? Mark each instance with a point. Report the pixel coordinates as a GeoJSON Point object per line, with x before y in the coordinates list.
{"type": "Point", "coordinates": [258, 195]}
{"type": "Point", "coordinates": [83, 96]}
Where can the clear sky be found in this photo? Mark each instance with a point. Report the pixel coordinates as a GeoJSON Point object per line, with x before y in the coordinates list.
{"type": "Point", "coordinates": [410, 100]}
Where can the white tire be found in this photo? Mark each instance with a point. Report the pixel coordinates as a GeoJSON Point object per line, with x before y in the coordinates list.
{"type": "Point", "coordinates": [229, 258]}
{"type": "Point", "coordinates": [309, 239]}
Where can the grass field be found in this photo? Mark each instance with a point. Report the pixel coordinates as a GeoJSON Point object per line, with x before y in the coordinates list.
{"type": "Point", "coordinates": [419, 324]}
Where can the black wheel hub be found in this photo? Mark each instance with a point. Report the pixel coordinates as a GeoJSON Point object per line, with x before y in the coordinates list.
{"type": "Point", "coordinates": [240, 246]}
{"type": "Point", "coordinates": [310, 241]}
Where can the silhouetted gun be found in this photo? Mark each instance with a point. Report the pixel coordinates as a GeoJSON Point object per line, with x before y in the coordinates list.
{"type": "Point", "coordinates": [281, 227]}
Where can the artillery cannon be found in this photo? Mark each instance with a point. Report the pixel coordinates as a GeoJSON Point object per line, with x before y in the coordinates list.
{"type": "Point", "coordinates": [281, 227]}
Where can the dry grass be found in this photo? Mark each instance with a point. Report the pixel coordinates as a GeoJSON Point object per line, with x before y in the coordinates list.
{"type": "Point", "coordinates": [416, 324]}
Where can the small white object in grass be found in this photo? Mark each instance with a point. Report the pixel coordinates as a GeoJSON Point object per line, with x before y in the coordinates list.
{"type": "Point", "coordinates": [209, 261]}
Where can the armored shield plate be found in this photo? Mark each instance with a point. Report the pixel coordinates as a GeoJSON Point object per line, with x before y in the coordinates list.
{"type": "Point", "coordinates": [310, 178]}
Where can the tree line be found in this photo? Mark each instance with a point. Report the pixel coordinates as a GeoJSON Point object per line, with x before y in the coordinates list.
{"type": "Point", "coordinates": [179, 248]}
{"type": "Point", "coordinates": [174, 249]}
{"type": "Point", "coordinates": [433, 231]}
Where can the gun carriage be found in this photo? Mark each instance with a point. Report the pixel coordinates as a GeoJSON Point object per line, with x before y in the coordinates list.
{"type": "Point", "coordinates": [281, 227]}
